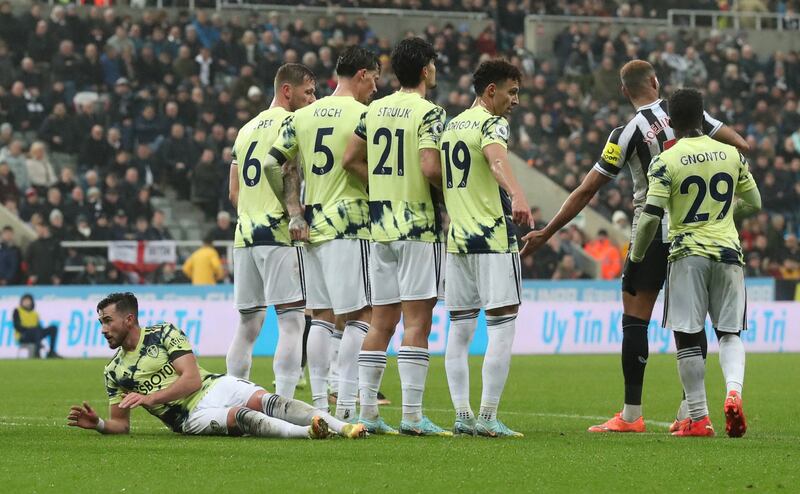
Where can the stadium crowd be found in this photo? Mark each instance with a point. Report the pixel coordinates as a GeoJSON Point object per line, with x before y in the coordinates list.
{"type": "Point", "coordinates": [101, 112]}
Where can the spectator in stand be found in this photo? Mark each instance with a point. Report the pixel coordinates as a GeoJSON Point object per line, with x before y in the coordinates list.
{"type": "Point", "coordinates": [58, 230]}
{"type": "Point", "coordinates": [10, 258]}
{"type": "Point", "coordinates": [8, 186]}
{"type": "Point", "coordinates": [567, 270]}
{"type": "Point", "coordinates": [222, 231]}
{"type": "Point", "coordinates": [120, 229]}
{"type": "Point", "coordinates": [157, 229]}
{"type": "Point", "coordinates": [31, 206]}
{"type": "Point", "coordinates": [204, 266]}
{"type": "Point", "coordinates": [29, 329]}
{"type": "Point", "coordinates": [40, 170]}
{"type": "Point", "coordinates": [602, 250]}
{"type": "Point", "coordinates": [95, 152]}
{"type": "Point", "coordinates": [44, 258]}
{"type": "Point", "coordinates": [174, 155]}
{"type": "Point", "coordinates": [90, 275]}
{"type": "Point", "coordinates": [205, 184]}
{"type": "Point", "coordinates": [13, 155]}
{"type": "Point", "coordinates": [141, 228]}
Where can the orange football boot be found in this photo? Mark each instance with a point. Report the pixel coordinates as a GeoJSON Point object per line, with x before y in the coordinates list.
{"type": "Point", "coordinates": [735, 424]}
{"type": "Point", "coordinates": [616, 424]}
{"type": "Point", "coordinates": [699, 428]}
{"type": "Point", "coordinates": [680, 424]}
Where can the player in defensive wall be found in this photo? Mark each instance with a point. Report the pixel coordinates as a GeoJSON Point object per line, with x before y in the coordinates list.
{"type": "Point", "coordinates": [336, 221]}
{"type": "Point", "coordinates": [395, 151]}
{"type": "Point", "coordinates": [483, 200]}
{"type": "Point", "coordinates": [267, 266]}
{"type": "Point", "coordinates": [154, 367]}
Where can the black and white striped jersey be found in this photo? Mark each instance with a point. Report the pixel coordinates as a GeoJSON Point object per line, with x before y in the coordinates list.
{"type": "Point", "coordinates": [637, 142]}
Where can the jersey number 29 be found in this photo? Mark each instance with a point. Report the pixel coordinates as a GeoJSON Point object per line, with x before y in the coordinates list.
{"type": "Point", "coordinates": [726, 196]}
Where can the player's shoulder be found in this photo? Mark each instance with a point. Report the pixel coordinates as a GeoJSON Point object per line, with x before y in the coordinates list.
{"type": "Point", "coordinates": [113, 362]}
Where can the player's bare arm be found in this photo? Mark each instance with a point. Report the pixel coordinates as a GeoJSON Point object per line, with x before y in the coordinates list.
{"type": "Point", "coordinates": [430, 162]}
{"type": "Point", "coordinates": [85, 417]}
{"type": "Point", "coordinates": [729, 136]}
{"type": "Point", "coordinates": [573, 205]}
{"type": "Point", "coordinates": [298, 228]}
{"type": "Point", "coordinates": [233, 184]}
{"type": "Point", "coordinates": [187, 383]}
{"type": "Point", "coordinates": [355, 158]}
{"type": "Point", "coordinates": [497, 156]}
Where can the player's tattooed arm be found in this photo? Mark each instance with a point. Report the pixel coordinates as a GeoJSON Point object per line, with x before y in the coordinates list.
{"type": "Point", "coordinates": [729, 136]}
{"type": "Point", "coordinates": [355, 158]}
{"type": "Point", "coordinates": [298, 228]}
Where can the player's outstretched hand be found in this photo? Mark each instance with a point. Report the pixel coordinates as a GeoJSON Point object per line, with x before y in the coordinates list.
{"type": "Point", "coordinates": [298, 228]}
{"type": "Point", "coordinates": [133, 400]}
{"type": "Point", "coordinates": [629, 276]}
{"type": "Point", "coordinates": [533, 241]}
{"type": "Point", "coordinates": [82, 416]}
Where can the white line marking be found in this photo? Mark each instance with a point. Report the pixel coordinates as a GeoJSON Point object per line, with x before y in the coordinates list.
{"type": "Point", "coordinates": [542, 414]}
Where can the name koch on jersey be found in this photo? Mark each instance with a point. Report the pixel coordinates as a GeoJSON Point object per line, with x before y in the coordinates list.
{"type": "Point", "coordinates": [336, 202]}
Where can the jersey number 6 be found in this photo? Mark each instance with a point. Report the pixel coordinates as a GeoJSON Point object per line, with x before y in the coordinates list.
{"type": "Point", "coordinates": [249, 163]}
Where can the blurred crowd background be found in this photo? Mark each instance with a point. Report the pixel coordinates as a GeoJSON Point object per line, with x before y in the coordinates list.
{"type": "Point", "coordinates": [102, 112]}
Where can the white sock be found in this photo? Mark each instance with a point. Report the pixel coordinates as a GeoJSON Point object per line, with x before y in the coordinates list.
{"type": "Point", "coordinates": [371, 365]}
{"type": "Point", "coordinates": [289, 352]}
{"type": "Point", "coordinates": [354, 333]}
{"type": "Point", "coordinates": [731, 359]}
{"type": "Point", "coordinates": [631, 413]}
{"type": "Point", "coordinates": [336, 342]}
{"type": "Point", "coordinates": [412, 363]}
{"type": "Point", "coordinates": [240, 354]}
{"type": "Point", "coordinates": [456, 364]}
{"type": "Point", "coordinates": [497, 362]}
{"type": "Point", "coordinates": [683, 411]}
{"type": "Point", "coordinates": [255, 423]}
{"type": "Point", "coordinates": [692, 370]}
{"type": "Point", "coordinates": [319, 361]}
{"type": "Point", "coordinates": [296, 412]}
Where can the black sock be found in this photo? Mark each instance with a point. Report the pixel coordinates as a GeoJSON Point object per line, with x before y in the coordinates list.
{"type": "Point", "coordinates": [635, 351]}
{"type": "Point", "coordinates": [305, 341]}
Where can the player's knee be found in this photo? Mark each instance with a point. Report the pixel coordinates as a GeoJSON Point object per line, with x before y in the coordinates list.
{"type": "Point", "coordinates": [233, 427]}
{"type": "Point", "coordinates": [688, 340]}
{"type": "Point", "coordinates": [720, 334]}
{"type": "Point", "coordinates": [503, 311]}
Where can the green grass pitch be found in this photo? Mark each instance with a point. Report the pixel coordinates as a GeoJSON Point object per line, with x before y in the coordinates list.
{"type": "Point", "coordinates": [552, 399]}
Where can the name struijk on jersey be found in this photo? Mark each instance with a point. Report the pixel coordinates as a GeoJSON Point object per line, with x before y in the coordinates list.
{"type": "Point", "coordinates": [387, 111]}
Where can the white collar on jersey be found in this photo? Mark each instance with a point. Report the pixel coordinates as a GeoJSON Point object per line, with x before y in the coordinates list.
{"type": "Point", "coordinates": [649, 105]}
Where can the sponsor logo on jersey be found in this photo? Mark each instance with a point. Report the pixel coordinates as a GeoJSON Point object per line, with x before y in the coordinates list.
{"type": "Point", "coordinates": [612, 153]}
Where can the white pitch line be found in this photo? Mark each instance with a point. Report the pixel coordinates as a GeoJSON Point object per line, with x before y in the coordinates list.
{"type": "Point", "coordinates": [542, 414]}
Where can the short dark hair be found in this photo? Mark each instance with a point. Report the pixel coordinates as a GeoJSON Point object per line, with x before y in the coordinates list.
{"type": "Point", "coordinates": [124, 303]}
{"type": "Point", "coordinates": [355, 58]}
{"type": "Point", "coordinates": [409, 57]}
{"type": "Point", "coordinates": [686, 109]}
{"type": "Point", "coordinates": [208, 238]}
{"type": "Point", "coordinates": [294, 74]}
{"type": "Point", "coordinates": [494, 71]}
{"type": "Point", "coordinates": [635, 75]}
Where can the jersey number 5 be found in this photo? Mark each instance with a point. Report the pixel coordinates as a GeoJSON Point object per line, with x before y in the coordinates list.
{"type": "Point", "coordinates": [249, 163]}
{"type": "Point", "coordinates": [381, 168]}
{"type": "Point", "coordinates": [725, 196]}
{"type": "Point", "coordinates": [459, 158]}
{"type": "Point", "coordinates": [319, 147]}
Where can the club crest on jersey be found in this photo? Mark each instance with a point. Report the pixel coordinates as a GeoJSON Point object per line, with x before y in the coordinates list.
{"type": "Point", "coordinates": [612, 153]}
{"type": "Point", "coordinates": [501, 131]}
{"type": "Point", "coordinates": [152, 351]}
